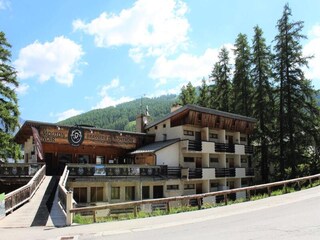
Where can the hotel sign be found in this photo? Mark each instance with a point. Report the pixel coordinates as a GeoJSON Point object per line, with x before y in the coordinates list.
{"type": "Point", "coordinates": [76, 137]}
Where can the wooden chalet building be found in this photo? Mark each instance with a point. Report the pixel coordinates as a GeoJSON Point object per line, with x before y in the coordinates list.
{"type": "Point", "coordinates": [191, 150]}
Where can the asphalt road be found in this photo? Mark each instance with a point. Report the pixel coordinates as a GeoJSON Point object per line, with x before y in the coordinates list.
{"type": "Point", "coordinates": [291, 216]}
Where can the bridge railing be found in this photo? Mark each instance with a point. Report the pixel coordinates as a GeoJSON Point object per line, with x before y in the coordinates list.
{"type": "Point", "coordinates": [23, 194]}
{"type": "Point", "coordinates": [65, 196]}
{"type": "Point", "coordinates": [91, 210]}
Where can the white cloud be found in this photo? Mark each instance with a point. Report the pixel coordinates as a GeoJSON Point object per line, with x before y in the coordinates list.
{"type": "Point", "coordinates": [68, 113]}
{"type": "Point", "coordinates": [187, 67]}
{"type": "Point", "coordinates": [312, 48]}
{"type": "Point", "coordinates": [22, 89]}
{"type": "Point", "coordinates": [57, 59]}
{"type": "Point", "coordinates": [151, 28]}
{"type": "Point", "coordinates": [108, 101]}
{"type": "Point", "coordinates": [4, 4]}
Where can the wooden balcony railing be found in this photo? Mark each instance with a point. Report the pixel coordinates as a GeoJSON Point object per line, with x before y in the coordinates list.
{"type": "Point", "coordinates": [23, 194]}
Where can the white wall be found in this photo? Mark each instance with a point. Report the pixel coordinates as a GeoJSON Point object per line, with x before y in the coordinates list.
{"type": "Point", "coordinates": [169, 155]}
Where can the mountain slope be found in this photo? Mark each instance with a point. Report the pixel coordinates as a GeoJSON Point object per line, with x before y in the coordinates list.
{"type": "Point", "coordinates": [123, 116]}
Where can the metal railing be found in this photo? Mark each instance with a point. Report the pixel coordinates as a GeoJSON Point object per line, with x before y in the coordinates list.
{"type": "Point", "coordinates": [19, 169]}
{"type": "Point", "coordinates": [23, 194]}
{"type": "Point", "coordinates": [117, 170]}
{"type": "Point", "coordinates": [198, 197]}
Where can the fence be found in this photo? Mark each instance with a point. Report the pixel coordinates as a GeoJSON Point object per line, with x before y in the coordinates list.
{"type": "Point", "coordinates": [23, 194]}
{"type": "Point", "coordinates": [65, 197]}
{"type": "Point", "coordinates": [198, 197]}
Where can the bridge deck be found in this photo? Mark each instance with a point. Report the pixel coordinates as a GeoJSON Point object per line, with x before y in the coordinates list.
{"type": "Point", "coordinates": [36, 211]}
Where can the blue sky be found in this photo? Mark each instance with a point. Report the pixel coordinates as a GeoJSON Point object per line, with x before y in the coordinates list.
{"type": "Point", "coordinates": [73, 56]}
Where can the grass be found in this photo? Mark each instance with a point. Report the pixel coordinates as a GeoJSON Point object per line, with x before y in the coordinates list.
{"type": "Point", "coordinates": [79, 219]}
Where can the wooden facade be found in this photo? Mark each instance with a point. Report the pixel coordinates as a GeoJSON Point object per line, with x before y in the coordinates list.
{"type": "Point", "coordinates": [98, 146]}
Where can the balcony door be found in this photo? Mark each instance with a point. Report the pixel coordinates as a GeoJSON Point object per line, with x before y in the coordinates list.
{"type": "Point", "coordinates": [197, 136]}
{"type": "Point", "coordinates": [157, 191]}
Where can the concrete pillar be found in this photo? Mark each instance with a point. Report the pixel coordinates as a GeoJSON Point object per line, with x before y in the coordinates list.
{"type": "Point", "coordinates": [69, 206]}
{"type": "Point", "coordinates": [237, 161]}
{"type": "Point", "coordinates": [205, 134]}
{"type": "Point", "coordinates": [205, 186]}
{"type": "Point", "coordinates": [222, 136]}
{"type": "Point", "coordinates": [236, 137]}
{"type": "Point", "coordinates": [222, 160]}
{"type": "Point", "coordinates": [205, 160]}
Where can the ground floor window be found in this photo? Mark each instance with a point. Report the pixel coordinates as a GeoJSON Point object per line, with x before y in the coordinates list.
{"type": "Point", "coordinates": [145, 192]}
{"type": "Point", "coordinates": [130, 193]}
{"type": "Point", "coordinates": [115, 193]}
{"type": "Point", "coordinates": [80, 195]}
{"type": "Point", "coordinates": [173, 187]}
{"type": "Point", "coordinates": [96, 194]}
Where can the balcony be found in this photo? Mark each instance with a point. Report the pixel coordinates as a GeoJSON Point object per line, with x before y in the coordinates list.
{"type": "Point", "coordinates": [195, 173]}
{"type": "Point", "coordinates": [19, 169]}
{"type": "Point", "coordinates": [225, 172]}
{"type": "Point", "coordinates": [195, 146]}
{"type": "Point", "coordinates": [248, 149]}
{"type": "Point", "coordinates": [117, 170]}
{"type": "Point", "coordinates": [225, 147]}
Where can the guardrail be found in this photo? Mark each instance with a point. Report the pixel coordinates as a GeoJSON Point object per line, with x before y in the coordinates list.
{"type": "Point", "coordinates": [197, 197]}
{"type": "Point", "coordinates": [65, 196]}
{"type": "Point", "coordinates": [23, 194]}
{"type": "Point", "coordinates": [19, 169]}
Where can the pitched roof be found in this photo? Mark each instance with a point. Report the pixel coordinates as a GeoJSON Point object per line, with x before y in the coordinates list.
{"type": "Point", "coordinates": [203, 110]}
{"type": "Point", "coordinates": [154, 147]}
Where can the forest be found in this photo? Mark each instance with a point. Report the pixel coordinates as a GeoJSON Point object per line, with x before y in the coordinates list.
{"type": "Point", "coordinates": [123, 116]}
{"type": "Point", "coordinates": [268, 83]}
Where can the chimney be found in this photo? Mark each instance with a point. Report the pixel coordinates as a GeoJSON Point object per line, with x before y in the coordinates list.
{"type": "Point", "coordinates": [175, 107]}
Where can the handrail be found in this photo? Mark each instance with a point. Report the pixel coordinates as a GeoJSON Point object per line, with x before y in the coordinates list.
{"type": "Point", "coordinates": [23, 194]}
{"type": "Point", "coordinates": [225, 193]}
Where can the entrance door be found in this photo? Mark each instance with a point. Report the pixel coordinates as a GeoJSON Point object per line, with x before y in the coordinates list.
{"type": "Point", "coordinates": [49, 163]}
{"type": "Point", "coordinates": [157, 191]}
{"type": "Point", "coordinates": [198, 188]}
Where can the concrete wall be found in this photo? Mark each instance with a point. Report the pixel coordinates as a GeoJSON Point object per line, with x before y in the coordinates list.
{"type": "Point", "coordinates": [168, 156]}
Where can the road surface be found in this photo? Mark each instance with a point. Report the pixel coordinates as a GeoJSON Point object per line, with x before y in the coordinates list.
{"type": "Point", "coordinates": [291, 216]}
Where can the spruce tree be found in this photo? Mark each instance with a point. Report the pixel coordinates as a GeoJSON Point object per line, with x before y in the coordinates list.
{"type": "Point", "coordinates": [204, 94]}
{"type": "Point", "coordinates": [9, 113]}
{"type": "Point", "coordinates": [187, 95]}
{"type": "Point", "coordinates": [220, 75]}
{"type": "Point", "coordinates": [242, 84]}
{"type": "Point", "coordinates": [296, 98]}
{"type": "Point", "coordinates": [263, 99]}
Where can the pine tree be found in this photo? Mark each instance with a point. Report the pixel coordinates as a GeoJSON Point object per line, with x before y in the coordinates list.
{"type": "Point", "coordinates": [242, 84]}
{"type": "Point", "coordinates": [9, 113]}
{"type": "Point", "coordinates": [263, 99]}
{"type": "Point", "coordinates": [187, 95]}
{"type": "Point", "coordinates": [296, 97]}
{"type": "Point", "coordinates": [204, 94]}
{"type": "Point", "coordinates": [220, 75]}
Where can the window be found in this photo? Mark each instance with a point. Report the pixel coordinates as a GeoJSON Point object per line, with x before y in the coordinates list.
{"type": "Point", "coordinates": [156, 127]}
{"type": "Point", "coordinates": [189, 186]}
{"type": "Point", "coordinates": [214, 185]}
{"type": "Point", "coordinates": [164, 125]}
{"type": "Point", "coordinates": [164, 137]}
{"type": "Point", "coordinates": [145, 192]}
{"type": "Point", "coordinates": [130, 193]}
{"type": "Point", "coordinates": [214, 160]}
{"type": "Point", "coordinates": [213, 135]}
{"type": "Point", "coordinates": [188, 159]}
{"type": "Point", "coordinates": [96, 194]}
{"type": "Point", "coordinates": [115, 193]}
{"type": "Point", "coordinates": [243, 139]}
{"type": "Point", "coordinates": [172, 187]}
{"type": "Point", "coordinates": [244, 160]}
{"type": "Point", "coordinates": [80, 195]}
{"type": "Point", "coordinates": [188, 133]}
{"type": "Point", "coordinates": [100, 160]}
